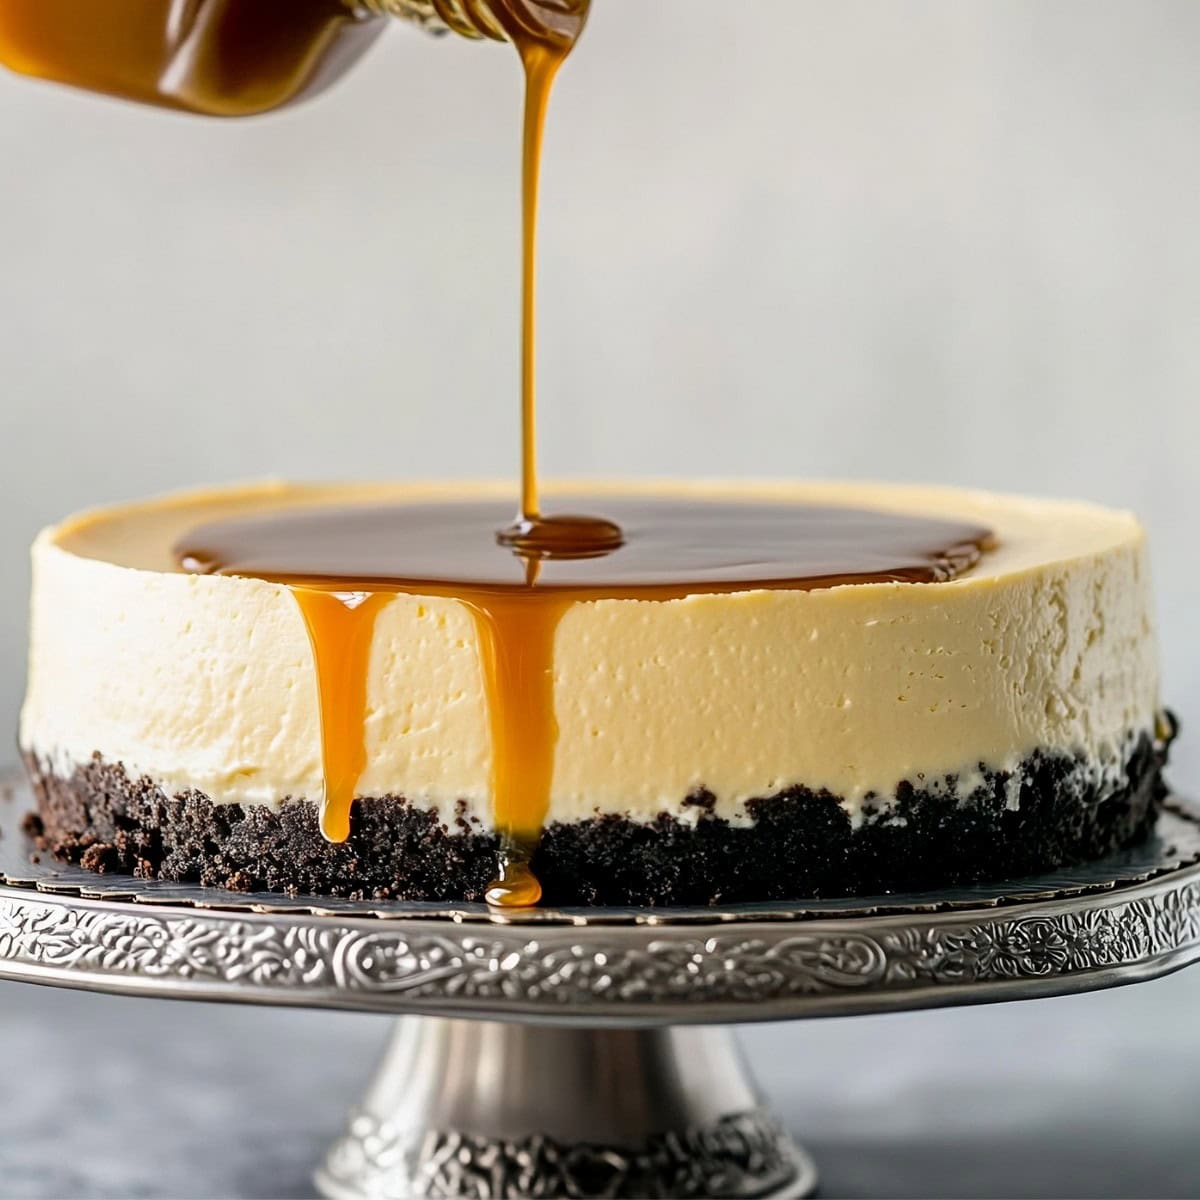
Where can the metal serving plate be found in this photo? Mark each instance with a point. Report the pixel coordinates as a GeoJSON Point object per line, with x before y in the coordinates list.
{"type": "Point", "coordinates": [1131, 916]}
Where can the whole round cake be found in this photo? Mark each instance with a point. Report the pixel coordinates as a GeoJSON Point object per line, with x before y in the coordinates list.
{"type": "Point", "coordinates": [765, 692]}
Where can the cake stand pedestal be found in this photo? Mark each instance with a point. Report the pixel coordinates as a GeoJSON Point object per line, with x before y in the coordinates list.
{"type": "Point", "coordinates": [492, 1109]}
{"type": "Point", "coordinates": [565, 1053]}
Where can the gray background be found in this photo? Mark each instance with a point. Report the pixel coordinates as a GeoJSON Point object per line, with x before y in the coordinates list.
{"type": "Point", "coordinates": [948, 240]}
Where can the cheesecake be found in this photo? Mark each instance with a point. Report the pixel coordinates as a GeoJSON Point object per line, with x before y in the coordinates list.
{"type": "Point", "coordinates": [969, 690]}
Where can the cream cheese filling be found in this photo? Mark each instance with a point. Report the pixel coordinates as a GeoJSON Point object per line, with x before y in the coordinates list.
{"type": "Point", "coordinates": [207, 682]}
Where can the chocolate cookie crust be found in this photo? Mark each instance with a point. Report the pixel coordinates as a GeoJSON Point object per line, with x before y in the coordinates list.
{"type": "Point", "coordinates": [802, 844]}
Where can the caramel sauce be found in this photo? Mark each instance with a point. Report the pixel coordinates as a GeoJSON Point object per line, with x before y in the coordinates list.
{"type": "Point", "coordinates": [340, 626]}
{"type": "Point", "coordinates": [343, 563]}
{"type": "Point", "coordinates": [544, 33]}
{"type": "Point", "coordinates": [228, 58]}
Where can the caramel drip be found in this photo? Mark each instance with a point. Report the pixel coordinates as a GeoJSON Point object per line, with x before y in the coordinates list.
{"type": "Point", "coordinates": [515, 886]}
{"type": "Point", "coordinates": [343, 564]}
{"type": "Point", "coordinates": [516, 648]}
{"type": "Point", "coordinates": [340, 628]}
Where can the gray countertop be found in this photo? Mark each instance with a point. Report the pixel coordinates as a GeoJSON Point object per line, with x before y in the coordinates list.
{"type": "Point", "coordinates": [1093, 1095]}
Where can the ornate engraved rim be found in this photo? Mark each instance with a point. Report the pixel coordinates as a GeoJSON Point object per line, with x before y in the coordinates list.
{"type": "Point", "coordinates": [601, 973]}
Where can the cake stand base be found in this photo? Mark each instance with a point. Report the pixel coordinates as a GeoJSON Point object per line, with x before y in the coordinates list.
{"type": "Point", "coordinates": [487, 1109]}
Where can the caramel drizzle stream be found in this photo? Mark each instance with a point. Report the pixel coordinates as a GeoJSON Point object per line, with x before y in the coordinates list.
{"type": "Point", "coordinates": [541, 66]}
{"type": "Point", "coordinates": [515, 632]}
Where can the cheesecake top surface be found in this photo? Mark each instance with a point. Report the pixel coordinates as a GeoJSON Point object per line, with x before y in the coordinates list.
{"type": "Point", "coordinates": [1028, 532]}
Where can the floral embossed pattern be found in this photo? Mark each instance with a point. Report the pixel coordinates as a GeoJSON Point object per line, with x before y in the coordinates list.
{"type": "Point", "coordinates": [407, 965]}
{"type": "Point", "coordinates": [742, 1155]}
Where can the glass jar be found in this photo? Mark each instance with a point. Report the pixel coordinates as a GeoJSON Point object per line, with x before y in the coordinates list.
{"type": "Point", "coordinates": [235, 58]}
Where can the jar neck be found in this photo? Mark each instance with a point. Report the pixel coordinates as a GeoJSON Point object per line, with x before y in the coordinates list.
{"type": "Point", "coordinates": [548, 20]}
{"type": "Point", "coordinates": [438, 16]}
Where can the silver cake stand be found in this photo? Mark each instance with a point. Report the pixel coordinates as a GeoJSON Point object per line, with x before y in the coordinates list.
{"type": "Point", "coordinates": [569, 1053]}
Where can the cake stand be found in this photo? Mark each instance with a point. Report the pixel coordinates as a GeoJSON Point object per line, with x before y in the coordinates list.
{"type": "Point", "coordinates": [570, 1053]}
